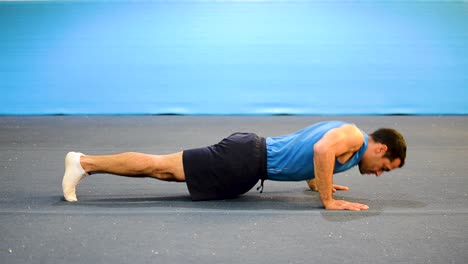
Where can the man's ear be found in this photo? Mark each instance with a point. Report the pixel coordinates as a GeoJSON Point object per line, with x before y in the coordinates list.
{"type": "Point", "coordinates": [382, 149]}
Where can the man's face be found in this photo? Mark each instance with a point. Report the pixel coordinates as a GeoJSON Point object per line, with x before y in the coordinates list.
{"type": "Point", "coordinates": [377, 164]}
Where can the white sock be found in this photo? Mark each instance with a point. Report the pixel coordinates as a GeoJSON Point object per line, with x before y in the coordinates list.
{"type": "Point", "coordinates": [74, 173]}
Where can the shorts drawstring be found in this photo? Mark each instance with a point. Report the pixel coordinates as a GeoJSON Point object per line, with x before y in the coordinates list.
{"type": "Point", "coordinates": [261, 186]}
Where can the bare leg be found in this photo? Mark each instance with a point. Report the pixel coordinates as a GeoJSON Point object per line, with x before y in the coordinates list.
{"type": "Point", "coordinates": [131, 164]}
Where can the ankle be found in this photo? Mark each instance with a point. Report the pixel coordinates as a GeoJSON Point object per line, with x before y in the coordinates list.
{"type": "Point", "coordinates": [85, 163]}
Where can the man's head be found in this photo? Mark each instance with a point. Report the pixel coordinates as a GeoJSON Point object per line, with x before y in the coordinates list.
{"type": "Point", "coordinates": [386, 151]}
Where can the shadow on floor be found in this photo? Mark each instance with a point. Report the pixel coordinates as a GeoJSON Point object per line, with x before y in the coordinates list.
{"type": "Point", "coordinates": [242, 203]}
{"type": "Point", "coordinates": [376, 207]}
{"type": "Point", "coordinates": [281, 202]}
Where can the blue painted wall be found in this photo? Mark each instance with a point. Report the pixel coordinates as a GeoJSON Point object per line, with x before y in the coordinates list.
{"type": "Point", "coordinates": [234, 57]}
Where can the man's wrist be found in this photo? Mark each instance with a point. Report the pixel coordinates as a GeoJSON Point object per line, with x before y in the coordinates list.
{"type": "Point", "coordinates": [327, 201]}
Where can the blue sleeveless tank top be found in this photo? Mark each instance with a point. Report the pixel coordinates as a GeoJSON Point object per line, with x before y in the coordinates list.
{"type": "Point", "coordinates": [291, 157]}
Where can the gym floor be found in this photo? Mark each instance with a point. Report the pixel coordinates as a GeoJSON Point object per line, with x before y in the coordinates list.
{"type": "Point", "coordinates": [418, 214]}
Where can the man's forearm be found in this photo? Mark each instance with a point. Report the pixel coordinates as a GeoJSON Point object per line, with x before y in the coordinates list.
{"type": "Point", "coordinates": [323, 164]}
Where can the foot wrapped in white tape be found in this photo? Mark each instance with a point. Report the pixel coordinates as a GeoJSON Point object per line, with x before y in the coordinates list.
{"type": "Point", "coordinates": [74, 173]}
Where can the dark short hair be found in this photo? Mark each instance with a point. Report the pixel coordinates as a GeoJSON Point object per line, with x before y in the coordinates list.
{"type": "Point", "coordinates": [396, 144]}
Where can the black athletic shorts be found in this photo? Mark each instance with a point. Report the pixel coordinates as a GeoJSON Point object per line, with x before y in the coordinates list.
{"type": "Point", "coordinates": [225, 170]}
